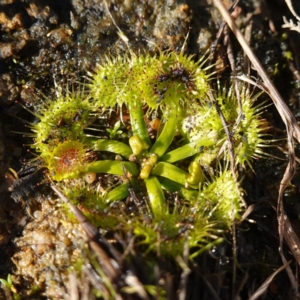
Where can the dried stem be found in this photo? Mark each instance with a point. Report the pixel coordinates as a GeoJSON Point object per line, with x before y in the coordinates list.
{"type": "Point", "coordinates": [293, 130]}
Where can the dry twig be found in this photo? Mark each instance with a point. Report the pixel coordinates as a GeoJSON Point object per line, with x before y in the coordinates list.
{"type": "Point", "coordinates": [263, 288]}
{"type": "Point", "coordinates": [290, 24]}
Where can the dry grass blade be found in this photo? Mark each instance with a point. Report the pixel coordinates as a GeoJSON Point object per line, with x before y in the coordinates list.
{"type": "Point", "coordinates": [232, 166]}
{"type": "Point", "coordinates": [73, 287]}
{"type": "Point", "coordinates": [248, 211]}
{"type": "Point", "coordinates": [111, 267]}
{"type": "Point", "coordinates": [281, 106]}
{"type": "Point", "coordinates": [92, 232]}
{"type": "Point", "coordinates": [265, 285]}
{"type": "Point", "coordinates": [291, 8]}
{"type": "Point", "coordinates": [135, 286]}
{"type": "Point", "coordinates": [293, 130]}
{"type": "Point", "coordinates": [183, 263]}
{"type": "Point", "coordinates": [228, 135]}
{"type": "Point", "coordinates": [183, 278]}
{"type": "Point", "coordinates": [213, 293]}
{"type": "Point", "coordinates": [285, 229]}
{"type": "Point", "coordinates": [228, 44]}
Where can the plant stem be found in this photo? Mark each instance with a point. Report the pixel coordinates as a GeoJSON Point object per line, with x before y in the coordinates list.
{"type": "Point", "coordinates": [165, 138]}
{"type": "Point", "coordinates": [138, 124]}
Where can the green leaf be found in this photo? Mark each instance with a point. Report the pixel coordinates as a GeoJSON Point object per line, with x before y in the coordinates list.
{"type": "Point", "coordinates": [112, 146]}
{"type": "Point", "coordinates": [156, 196]}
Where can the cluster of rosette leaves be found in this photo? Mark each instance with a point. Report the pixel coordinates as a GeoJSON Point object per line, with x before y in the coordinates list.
{"type": "Point", "coordinates": [142, 148]}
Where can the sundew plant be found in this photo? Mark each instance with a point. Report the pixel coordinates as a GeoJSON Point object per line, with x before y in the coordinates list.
{"type": "Point", "coordinates": [143, 148]}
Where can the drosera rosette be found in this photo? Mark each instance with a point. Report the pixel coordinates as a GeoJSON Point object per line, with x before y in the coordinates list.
{"type": "Point", "coordinates": [167, 81]}
{"type": "Point", "coordinates": [169, 77]}
{"type": "Point", "coordinates": [247, 127]}
{"type": "Point", "coordinates": [62, 119]}
{"type": "Point", "coordinates": [204, 134]}
{"type": "Point", "coordinates": [191, 136]}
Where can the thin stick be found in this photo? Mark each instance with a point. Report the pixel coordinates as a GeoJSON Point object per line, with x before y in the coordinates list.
{"type": "Point", "coordinates": [229, 139]}
{"type": "Point", "coordinates": [220, 33]}
{"type": "Point", "coordinates": [93, 234]}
